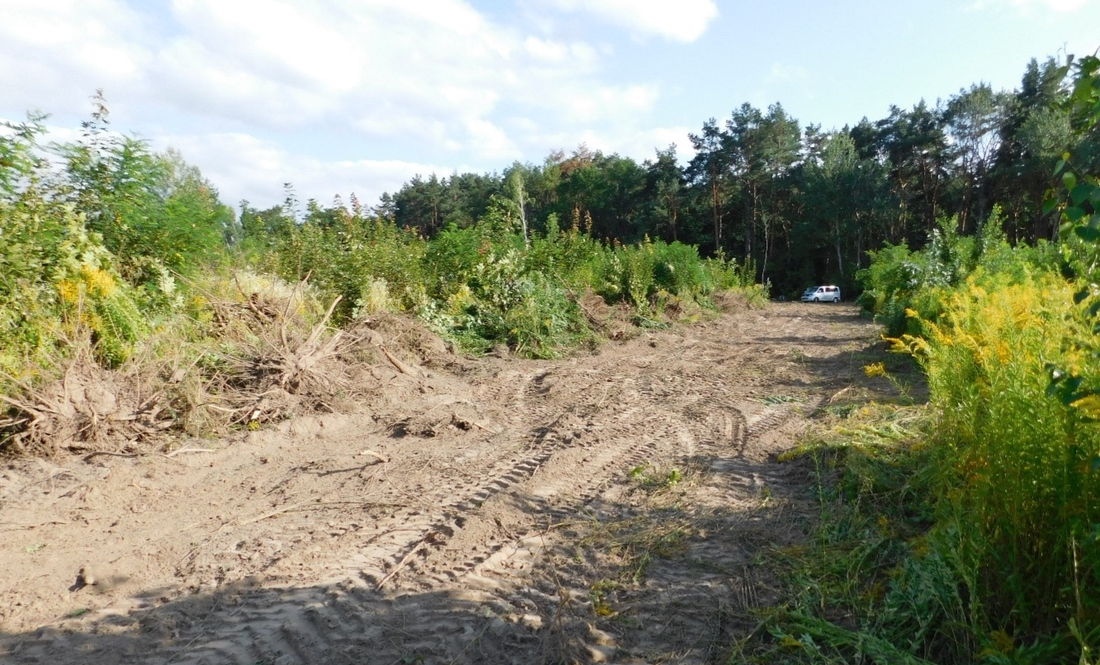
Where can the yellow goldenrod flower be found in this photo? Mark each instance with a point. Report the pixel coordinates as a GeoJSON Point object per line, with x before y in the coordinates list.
{"type": "Point", "coordinates": [875, 369]}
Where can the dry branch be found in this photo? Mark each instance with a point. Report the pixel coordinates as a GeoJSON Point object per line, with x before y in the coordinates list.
{"type": "Point", "coordinates": [184, 451]}
{"type": "Point", "coordinates": [407, 558]}
{"type": "Point", "coordinates": [401, 367]}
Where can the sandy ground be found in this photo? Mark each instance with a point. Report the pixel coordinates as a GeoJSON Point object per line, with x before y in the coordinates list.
{"type": "Point", "coordinates": [606, 508]}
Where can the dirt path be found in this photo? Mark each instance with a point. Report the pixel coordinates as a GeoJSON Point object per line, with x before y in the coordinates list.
{"type": "Point", "coordinates": [486, 511]}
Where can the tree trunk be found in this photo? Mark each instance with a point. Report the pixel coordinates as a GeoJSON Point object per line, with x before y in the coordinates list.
{"type": "Point", "coordinates": [715, 204]}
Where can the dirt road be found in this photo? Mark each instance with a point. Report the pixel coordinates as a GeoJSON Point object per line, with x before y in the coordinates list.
{"type": "Point", "coordinates": [605, 508]}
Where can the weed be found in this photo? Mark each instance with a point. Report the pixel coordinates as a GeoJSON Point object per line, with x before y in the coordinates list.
{"type": "Point", "coordinates": [956, 531]}
{"type": "Point", "coordinates": [650, 479]}
{"type": "Point", "coordinates": [1016, 485]}
{"type": "Point", "coordinates": [776, 400]}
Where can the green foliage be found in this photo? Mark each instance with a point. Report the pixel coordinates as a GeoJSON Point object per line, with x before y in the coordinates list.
{"type": "Point", "coordinates": [18, 161]}
{"type": "Point", "coordinates": [89, 248]}
{"type": "Point", "coordinates": [868, 560]}
{"type": "Point", "coordinates": [976, 538]}
{"type": "Point", "coordinates": [906, 548]}
{"type": "Point", "coordinates": [574, 257]}
{"type": "Point", "coordinates": [1014, 483]}
{"type": "Point", "coordinates": [899, 281]}
{"type": "Point", "coordinates": [150, 209]}
{"type": "Point", "coordinates": [1079, 175]}
{"type": "Point", "coordinates": [369, 262]}
{"type": "Point", "coordinates": [486, 284]}
{"type": "Point", "coordinates": [487, 294]}
{"type": "Point", "coordinates": [1017, 479]}
{"type": "Point", "coordinates": [57, 280]}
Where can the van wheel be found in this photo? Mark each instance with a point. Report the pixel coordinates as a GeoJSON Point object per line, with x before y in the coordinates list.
{"type": "Point", "coordinates": [816, 299]}
{"type": "Point", "coordinates": [836, 300]}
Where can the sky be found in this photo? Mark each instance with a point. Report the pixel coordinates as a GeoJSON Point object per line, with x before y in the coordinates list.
{"type": "Point", "coordinates": [358, 96]}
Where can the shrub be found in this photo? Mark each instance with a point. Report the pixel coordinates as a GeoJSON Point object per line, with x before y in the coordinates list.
{"type": "Point", "coordinates": [369, 262]}
{"type": "Point", "coordinates": [57, 282]}
{"type": "Point", "coordinates": [899, 280]}
{"type": "Point", "coordinates": [1018, 468]}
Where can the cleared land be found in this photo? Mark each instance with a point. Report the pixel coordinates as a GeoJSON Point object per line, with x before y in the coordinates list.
{"type": "Point", "coordinates": [610, 507]}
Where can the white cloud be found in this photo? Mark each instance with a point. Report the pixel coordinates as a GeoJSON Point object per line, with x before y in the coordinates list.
{"type": "Point", "coordinates": [1029, 6]}
{"type": "Point", "coordinates": [681, 20]}
{"type": "Point", "coordinates": [491, 142]}
{"type": "Point", "coordinates": [434, 78]}
{"type": "Point", "coordinates": [245, 167]}
{"type": "Point", "coordinates": [639, 145]}
{"type": "Point", "coordinates": [782, 73]}
{"type": "Point", "coordinates": [432, 71]}
{"type": "Point", "coordinates": [294, 63]}
{"type": "Point", "coordinates": [51, 50]}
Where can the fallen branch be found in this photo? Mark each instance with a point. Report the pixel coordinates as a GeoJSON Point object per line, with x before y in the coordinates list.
{"type": "Point", "coordinates": [89, 456]}
{"type": "Point", "coordinates": [380, 456]}
{"type": "Point", "coordinates": [22, 406]}
{"type": "Point", "coordinates": [485, 427]}
{"type": "Point", "coordinates": [401, 367]}
{"type": "Point", "coordinates": [592, 318]}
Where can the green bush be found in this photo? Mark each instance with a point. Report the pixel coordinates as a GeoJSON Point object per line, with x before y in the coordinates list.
{"type": "Point", "coordinates": [577, 259]}
{"type": "Point", "coordinates": [899, 281]}
{"type": "Point", "coordinates": [679, 270]}
{"type": "Point", "coordinates": [369, 262]}
{"type": "Point", "coordinates": [58, 282]}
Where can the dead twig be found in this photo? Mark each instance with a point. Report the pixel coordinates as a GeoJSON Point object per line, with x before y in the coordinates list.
{"type": "Point", "coordinates": [592, 318]}
{"type": "Point", "coordinates": [97, 453]}
{"type": "Point", "coordinates": [486, 428]}
{"type": "Point", "coordinates": [380, 456]}
{"type": "Point", "coordinates": [429, 538]}
{"type": "Point", "coordinates": [286, 310]}
{"type": "Point", "coordinates": [22, 406]}
{"type": "Point", "coordinates": [184, 451]}
{"type": "Point", "coordinates": [401, 367]}
{"type": "Point", "coordinates": [30, 527]}
{"type": "Point", "coordinates": [274, 513]}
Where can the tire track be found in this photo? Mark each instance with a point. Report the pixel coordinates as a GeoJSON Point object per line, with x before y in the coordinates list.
{"type": "Point", "coordinates": [417, 544]}
{"type": "Point", "coordinates": [428, 574]}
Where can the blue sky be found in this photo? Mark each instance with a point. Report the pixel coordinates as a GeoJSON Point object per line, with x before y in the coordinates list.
{"type": "Point", "coordinates": [357, 96]}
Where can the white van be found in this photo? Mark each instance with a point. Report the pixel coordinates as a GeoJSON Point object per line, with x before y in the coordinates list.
{"type": "Point", "coordinates": [821, 294]}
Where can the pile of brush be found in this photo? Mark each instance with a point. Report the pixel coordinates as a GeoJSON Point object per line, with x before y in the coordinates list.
{"type": "Point", "coordinates": [257, 352]}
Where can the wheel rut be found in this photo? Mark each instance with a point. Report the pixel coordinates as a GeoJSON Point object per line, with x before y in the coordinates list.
{"type": "Point", "coordinates": [424, 532]}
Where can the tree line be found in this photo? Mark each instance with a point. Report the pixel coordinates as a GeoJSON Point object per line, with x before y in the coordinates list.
{"type": "Point", "coordinates": [800, 203]}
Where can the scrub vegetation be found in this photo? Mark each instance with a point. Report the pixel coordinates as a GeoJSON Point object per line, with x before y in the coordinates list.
{"type": "Point", "coordinates": [966, 529]}
{"type": "Point", "coordinates": [115, 257]}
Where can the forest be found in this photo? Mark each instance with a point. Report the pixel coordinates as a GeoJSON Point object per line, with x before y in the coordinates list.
{"type": "Point", "coordinates": [960, 528]}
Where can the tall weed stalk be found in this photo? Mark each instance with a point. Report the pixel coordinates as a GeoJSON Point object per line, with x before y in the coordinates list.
{"type": "Point", "coordinates": [1018, 469]}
